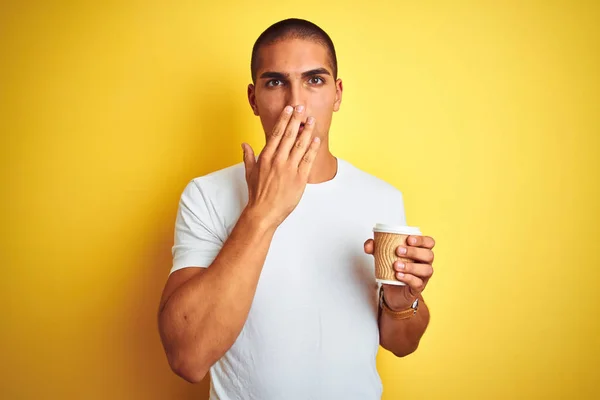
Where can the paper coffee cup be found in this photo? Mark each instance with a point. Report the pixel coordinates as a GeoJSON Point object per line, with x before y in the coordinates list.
{"type": "Point", "coordinates": [386, 240]}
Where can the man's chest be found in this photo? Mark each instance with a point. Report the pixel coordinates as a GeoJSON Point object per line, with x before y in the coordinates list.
{"type": "Point", "coordinates": [316, 270]}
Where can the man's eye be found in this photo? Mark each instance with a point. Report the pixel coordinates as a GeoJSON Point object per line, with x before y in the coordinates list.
{"type": "Point", "coordinates": [274, 82]}
{"type": "Point", "coordinates": [316, 80]}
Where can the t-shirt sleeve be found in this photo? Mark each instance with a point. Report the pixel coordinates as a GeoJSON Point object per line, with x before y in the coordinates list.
{"type": "Point", "coordinates": [393, 207]}
{"type": "Point", "coordinates": [196, 241]}
{"type": "Point", "coordinates": [399, 209]}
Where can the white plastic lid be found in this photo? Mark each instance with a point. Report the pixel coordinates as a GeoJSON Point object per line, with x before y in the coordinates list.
{"type": "Point", "coordinates": [399, 229]}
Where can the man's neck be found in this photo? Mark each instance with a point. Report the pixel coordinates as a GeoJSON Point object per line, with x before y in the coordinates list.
{"type": "Point", "coordinates": [324, 167]}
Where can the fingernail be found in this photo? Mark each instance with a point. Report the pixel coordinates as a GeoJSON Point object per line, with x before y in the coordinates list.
{"type": "Point", "coordinates": [401, 265]}
{"type": "Point", "coordinates": [402, 250]}
{"type": "Point", "coordinates": [310, 120]}
{"type": "Point", "coordinates": [288, 109]}
{"type": "Point", "coordinates": [412, 240]}
{"type": "Point", "coordinates": [299, 108]}
{"type": "Point", "coordinates": [400, 275]}
{"type": "Point", "coordinates": [316, 140]}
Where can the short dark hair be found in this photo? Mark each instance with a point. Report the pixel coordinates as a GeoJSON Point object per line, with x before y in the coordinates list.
{"type": "Point", "coordinates": [293, 28]}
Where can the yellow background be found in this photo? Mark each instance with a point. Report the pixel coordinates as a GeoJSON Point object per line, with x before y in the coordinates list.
{"type": "Point", "coordinates": [484, 114]}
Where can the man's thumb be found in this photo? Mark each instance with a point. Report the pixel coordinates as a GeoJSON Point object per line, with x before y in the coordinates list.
{"type": "Point", "coordinates": [249, 157]}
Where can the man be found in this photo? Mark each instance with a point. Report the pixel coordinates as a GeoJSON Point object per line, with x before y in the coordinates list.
{"type": "Point", "coordinates": [269, 289]}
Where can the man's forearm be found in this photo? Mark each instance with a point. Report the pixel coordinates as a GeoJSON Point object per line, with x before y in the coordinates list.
{"type": "Point", "coordinates": [402, 337]}
{"type": "Point", "coordinates": [203, 318]}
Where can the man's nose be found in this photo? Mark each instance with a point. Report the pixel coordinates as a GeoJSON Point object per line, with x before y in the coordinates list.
{"type": "Point", "coordinates": [295, 96]}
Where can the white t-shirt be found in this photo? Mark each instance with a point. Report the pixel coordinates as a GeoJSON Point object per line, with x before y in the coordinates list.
{"type": "Point", "coordinates": [312, 330]}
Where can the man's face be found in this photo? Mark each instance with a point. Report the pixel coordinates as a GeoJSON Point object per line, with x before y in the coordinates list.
{"type": "Point", "coordinates": [295, 72]}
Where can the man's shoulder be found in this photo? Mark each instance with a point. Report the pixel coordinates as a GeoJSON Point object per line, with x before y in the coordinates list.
{"type": "Point", "coordinates": [363, 180]}
{"type": "Point", "coordinates": [228, 182]}
{"type": "Point", "coordinates": [378, 199]}
{"type": "Point", "coordinates": [221, 178]}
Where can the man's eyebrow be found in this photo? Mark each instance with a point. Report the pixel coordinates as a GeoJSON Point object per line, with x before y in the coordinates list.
{"type": "Point", "coordinates": [273, 75]}
{"type": "Point", "coordinates": [281, 75]}
{"type": "Point", "coordinates": [317, 71]}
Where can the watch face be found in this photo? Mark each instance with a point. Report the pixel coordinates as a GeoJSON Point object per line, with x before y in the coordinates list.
{"type": "Point", "coordinates": [415, 305]}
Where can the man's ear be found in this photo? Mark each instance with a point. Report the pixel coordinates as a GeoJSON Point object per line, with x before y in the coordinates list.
{"type": "Point", "coordinates": [339, 89]}
{"type": "Point", "coordinates": [252, 98]}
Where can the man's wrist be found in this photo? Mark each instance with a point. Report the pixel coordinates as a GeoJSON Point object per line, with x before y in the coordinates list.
{"type": "Point", "coordinates": [400, 311]}
{"type": "Point", "coordinates": [257, 220]}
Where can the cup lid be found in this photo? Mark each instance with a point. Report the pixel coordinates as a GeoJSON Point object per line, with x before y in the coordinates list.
{"type": "Point", "coordinates": [400, 229]}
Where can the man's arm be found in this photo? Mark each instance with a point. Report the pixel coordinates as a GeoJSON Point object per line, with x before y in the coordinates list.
{"type": "Point", "coordinates": [201, 317]}
{"type": "Point", "coordinates": [402, 336]}
{"type": "Point", "coordinates": [203, 310]}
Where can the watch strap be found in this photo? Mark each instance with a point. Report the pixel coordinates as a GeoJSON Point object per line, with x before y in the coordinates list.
{"type": "Point", "coordinates": [398, 315]}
